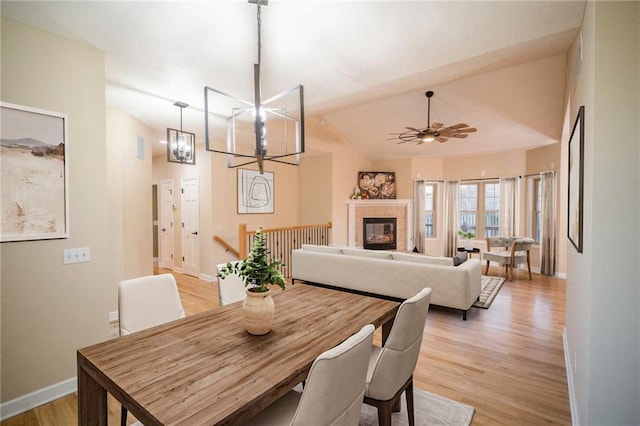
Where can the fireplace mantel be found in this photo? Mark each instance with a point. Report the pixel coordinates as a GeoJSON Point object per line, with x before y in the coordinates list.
{"type": "Point", "coordinates": [404, 204]}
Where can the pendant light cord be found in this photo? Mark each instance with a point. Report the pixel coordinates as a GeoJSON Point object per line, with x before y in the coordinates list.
{"type": "Point", "coordinates": [259, 3]}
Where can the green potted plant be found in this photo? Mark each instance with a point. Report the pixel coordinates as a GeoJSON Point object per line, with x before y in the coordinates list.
{"type": "Point", "coordinates": [467, 236]}
{"type": "Point", "coordinates": [258, 271]}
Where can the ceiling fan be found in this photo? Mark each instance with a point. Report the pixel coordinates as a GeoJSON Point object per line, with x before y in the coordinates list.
{"type": "Point", "coordinates": [433, 132]}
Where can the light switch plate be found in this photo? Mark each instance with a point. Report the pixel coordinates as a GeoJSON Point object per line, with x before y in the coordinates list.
{"type": "Point", "coordinates": [76, 255]}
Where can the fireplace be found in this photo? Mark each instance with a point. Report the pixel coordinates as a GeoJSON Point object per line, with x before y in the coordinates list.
{"type": "Point", "coordinates": [379, 233]}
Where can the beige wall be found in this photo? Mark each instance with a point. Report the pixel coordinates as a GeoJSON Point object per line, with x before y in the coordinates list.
{"type": "Point", "coordinates": [316, 182]}
{"type": "Point", "coordinates": [603, 295]}
{"type": "Point", "coordinates": [130, 216]}
{"type": "Point", "coordinates": [49, 310]}
{"type": "Point", "coordinates": [346, 162]}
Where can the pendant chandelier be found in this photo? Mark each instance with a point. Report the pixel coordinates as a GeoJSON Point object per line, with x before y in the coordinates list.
{"type": "Point", "coordinates": [181, 145]}
{"type": "Point", "coordinates": [258, 130]}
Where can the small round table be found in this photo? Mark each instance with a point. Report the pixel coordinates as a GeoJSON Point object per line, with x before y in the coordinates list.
{"type": "Point", "coordinates": [474, 250]}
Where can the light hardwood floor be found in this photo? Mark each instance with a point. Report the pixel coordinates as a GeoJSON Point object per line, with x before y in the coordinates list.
{"type": "Point", "coordinates": [506, 361]}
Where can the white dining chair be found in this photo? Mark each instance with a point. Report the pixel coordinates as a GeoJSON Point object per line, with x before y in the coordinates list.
{"type": "Point", "coordinates": [230, 288]}
{"type": "Point", "coordinates": [146, 302]}
{"type": "Point", "coordinates": [391, 367]}
{"type": "Point", "coordinates": [333, 391]}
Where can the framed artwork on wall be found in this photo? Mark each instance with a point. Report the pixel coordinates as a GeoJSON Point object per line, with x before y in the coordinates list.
{"type": "Point", "coordinates": [255, 192]}
{"type": "Point", "coordinates": [576, 182]}
{"type": "Point", "coordinates": [375, 185]}
{"type": "Point", "coordinates": [33, 152]}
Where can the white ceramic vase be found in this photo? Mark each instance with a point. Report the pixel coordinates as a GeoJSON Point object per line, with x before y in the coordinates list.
{"type": "Point", "coordinates": [257, 312]}
{"type": "Point", "coordinates": [468, 245]}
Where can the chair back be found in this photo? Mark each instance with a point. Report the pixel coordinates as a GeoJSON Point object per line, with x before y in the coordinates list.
{"type": "Point", "coordinates": [230, 288]}
{"type": "Point", "coordinates": [334, 390]}
{"type": "Point", "coordinates": [148, 301]}
{"type": "Point", "coordinates": [396, 361]}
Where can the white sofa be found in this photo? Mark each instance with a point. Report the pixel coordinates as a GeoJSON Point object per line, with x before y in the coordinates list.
{"type": "Point", "coordinates": [389, 274]}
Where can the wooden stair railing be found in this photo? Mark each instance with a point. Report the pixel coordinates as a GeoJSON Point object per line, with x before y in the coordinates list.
{"type": "Point", "coordinates": [280, 241]}
{"type": "Point", "coordinates": [227, 246]}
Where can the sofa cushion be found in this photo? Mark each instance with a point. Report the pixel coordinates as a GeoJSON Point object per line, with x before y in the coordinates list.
{"type": "Point", "coordinates": [373, 254]}
{"type": "Point", "coordinates": [421, 258]}
{"type": "Point", "coordinates": [321, 249]}
{"type": "Point", "coordinates": [460, 258]}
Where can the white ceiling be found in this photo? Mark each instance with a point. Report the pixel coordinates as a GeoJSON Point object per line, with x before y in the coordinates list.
{"type": "Point", "coordinates": [365, 65]}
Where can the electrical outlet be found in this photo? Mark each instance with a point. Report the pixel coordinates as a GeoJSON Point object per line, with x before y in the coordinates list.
{"type": "Point", "coordinates": [114, 330]}
{"type": "Point", "coordinates": [114, 325]}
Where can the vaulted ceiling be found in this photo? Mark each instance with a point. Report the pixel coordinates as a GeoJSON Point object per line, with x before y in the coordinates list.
{"type": "Point", "coordinates": [365, 65]}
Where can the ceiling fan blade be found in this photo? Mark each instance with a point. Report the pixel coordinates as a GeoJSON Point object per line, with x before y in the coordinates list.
{"type": "Point", "coordinates": [411, 128]}
{"type": "Point", "coordinates": [459, 135]}
{"type": "Point", "coordinates": [454, 127]}
{"type": "Point", "coordinates": [456, 131]}
{"type": "Point", "coordinates": [436, 126]}
{"type": "Point", "coordinates": [442, 139]}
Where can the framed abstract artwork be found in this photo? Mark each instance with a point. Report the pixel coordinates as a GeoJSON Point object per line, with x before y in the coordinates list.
{"type": "Point", "coordinates": [255, 192]}
{"type": "Point", "coordinates": [576, 182]}
{"type": "Point", "coordinates": [33, 152]}
{"type": "Point", "coordinates": [374, 185]}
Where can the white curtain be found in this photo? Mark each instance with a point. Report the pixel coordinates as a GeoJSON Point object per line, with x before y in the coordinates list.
{"type": "Point", "coordinates": [451, 213]}
{"type": "Point", "coordinates": [509, 205]}
{"type": "Point", "coordinates": [548, 223]}
{"type": "Point", "coordinates": [419, 216]}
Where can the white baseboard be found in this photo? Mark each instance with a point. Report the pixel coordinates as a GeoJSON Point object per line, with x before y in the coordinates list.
{"type": "Point", "coordinates": [35, 399]}
{"type": "Point", "coordinates": [567, 366]}
{"type": "Point", "coordinates": [206, 277]}
{"type": "Point", "coordinates": [536, 270]}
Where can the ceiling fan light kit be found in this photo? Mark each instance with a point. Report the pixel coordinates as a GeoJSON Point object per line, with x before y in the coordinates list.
{"type": "Point", "coordinates": [433, 132]}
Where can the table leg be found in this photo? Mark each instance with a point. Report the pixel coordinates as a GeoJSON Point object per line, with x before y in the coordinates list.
{"type": "Point", "coordinates": [386, 330]}
{"type": "Point", "coordinates": [92, 400]}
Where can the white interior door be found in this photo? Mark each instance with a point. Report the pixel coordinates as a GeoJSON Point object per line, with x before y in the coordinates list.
{"type": "Point", "coordinates": [190, 227]}
{"type": "Point", "coordinates": [165, 227]}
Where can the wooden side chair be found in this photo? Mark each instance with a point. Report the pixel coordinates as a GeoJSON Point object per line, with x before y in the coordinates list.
{"type": "Point", "coordinates": [511, 251]}
{"type": "Point", "coordinates": [391, 366]}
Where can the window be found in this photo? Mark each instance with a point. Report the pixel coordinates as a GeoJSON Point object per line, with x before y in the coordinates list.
{"type": "Point", "coordinates": [488, 211]}
{"type": "Point", "coordinates": [468, 207]}
{"type": "Point", "coordinates": [429, 209]}
{"type": "Point", "coordinates": [535, 209]}
{"type": "Point", "coordinates": [491, 209]}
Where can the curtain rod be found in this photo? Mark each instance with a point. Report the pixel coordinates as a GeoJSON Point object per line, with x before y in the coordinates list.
{"type": "Point", "coordinates": [481, 179]}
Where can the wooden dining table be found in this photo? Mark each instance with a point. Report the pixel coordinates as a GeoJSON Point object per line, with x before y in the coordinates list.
{"type": "Point", "coordinates": [205, 369]}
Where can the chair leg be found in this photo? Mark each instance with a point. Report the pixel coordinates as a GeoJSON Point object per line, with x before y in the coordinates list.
{"type": "Point", "coordinates": [385, 408]}
{"type": "Point", "coordinates": [384, 413]}
{"type": "Point", "coordinates": [123, 416]}
{"type": "Point", "coordinates": [486, 269]}
{"type": "Point", "coordinates": [408, 393]}
{"type": "Point", "coordinates": [529, 264]}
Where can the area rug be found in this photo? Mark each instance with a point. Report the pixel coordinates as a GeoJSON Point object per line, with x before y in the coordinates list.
{"type": "Point", "coordinates": [429, 409]}
{"type": "Point", "coordinates": [490, 286]}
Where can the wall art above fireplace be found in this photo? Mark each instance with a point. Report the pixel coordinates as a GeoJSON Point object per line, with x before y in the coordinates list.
{"type": "Point", "coordinates": [377, 185]}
